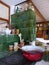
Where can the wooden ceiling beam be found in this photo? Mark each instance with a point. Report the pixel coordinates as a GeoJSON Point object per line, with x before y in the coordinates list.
{"type": "Point", "coordinates": [36, 10]}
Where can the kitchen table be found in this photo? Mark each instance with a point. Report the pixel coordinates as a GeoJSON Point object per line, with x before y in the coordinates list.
{"type": "Point", "coordinates": [16, 58]}
{"type": "Point", "coordinates": [13, 58]}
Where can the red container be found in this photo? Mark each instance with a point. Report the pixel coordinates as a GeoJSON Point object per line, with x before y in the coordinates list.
{"type": "Point", "coordinates": [33, 56]}
{"type": "Point", "coordinates": [33, 53]}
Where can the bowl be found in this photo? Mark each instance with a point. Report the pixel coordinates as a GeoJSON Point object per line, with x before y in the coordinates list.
{"type": "Point", "coordinates": [33, 53]}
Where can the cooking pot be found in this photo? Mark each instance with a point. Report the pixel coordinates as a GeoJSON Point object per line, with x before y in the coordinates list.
{"type": "Point", "coordinates": [33, 53]}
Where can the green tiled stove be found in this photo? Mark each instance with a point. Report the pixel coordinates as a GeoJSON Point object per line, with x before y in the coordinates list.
{"type": "Point", "coordinates": [6, 40]}
{"type": "Point", "coordinates": [26, 22]}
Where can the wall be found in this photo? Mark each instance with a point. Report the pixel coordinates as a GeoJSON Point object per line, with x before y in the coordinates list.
{"type": "Point", "coordinates": [4, 12]}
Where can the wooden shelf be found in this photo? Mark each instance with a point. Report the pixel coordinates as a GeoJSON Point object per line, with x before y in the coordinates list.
{"type": "Point", "coordinates": [42, 29]}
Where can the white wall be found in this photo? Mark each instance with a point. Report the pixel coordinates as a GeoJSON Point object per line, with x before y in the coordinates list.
{"type": "Point", "coordinates": [3, 25]}
{"type": "Point", "coordinates": [4, 11]}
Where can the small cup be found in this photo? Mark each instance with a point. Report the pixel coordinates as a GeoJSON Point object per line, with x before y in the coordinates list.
{"type": "Point", "coordinates": [15, 48]}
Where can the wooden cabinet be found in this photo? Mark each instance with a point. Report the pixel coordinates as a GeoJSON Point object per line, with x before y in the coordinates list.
{"type": "Point", "coordinates": [39, 32]}
{"type": "Point", "coordinates": [42, 30]}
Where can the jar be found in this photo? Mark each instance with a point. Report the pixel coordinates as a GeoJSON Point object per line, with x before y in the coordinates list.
{"type": "Point", "coordinates": [15, 46]}
{"type": "Point", "coordinates": [10, 47]}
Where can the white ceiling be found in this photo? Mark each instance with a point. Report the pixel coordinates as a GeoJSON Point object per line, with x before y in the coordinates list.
{"type": "Point", "coordinates": [42, 6]}
{"type": "Point", "coordinates": [13, 2]}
